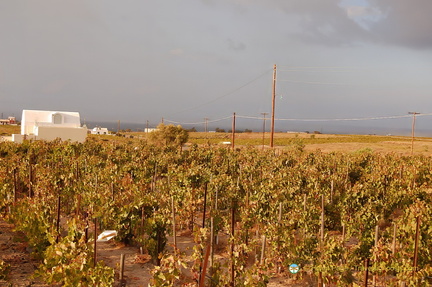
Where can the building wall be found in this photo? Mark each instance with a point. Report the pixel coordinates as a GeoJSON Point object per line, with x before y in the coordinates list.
{"type": "Point", "coordinates": [99, 131]}
{"type": "Point", "coordinates": [32, 119]}
{"type": "Point", "coordinates": [50, 125]}
{"type": "Point", "coordinates": [64, 133]}
{"type": "Point", "coordinates": [20, 138]}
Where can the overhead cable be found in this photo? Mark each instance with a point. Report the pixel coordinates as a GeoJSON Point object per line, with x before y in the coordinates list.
{"type": "Point", "coordinates": [339, 119]}
{"type": "Point", "coordinates": [224, 95]}
{"type": "Point", "coordinates": [197, 123]}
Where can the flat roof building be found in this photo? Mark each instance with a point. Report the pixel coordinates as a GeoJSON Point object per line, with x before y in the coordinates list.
{"type": "Point", "coordinates": [50, 125]}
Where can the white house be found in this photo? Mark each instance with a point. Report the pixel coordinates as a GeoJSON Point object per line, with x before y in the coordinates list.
{"type": "Point", "coordinates": [49, 125]}
{"type": "Point", "coordinates": [99, 131]}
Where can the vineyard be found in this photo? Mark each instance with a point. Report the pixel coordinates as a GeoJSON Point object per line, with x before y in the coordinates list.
{"type": "Point", "coordinates": [346, 219]}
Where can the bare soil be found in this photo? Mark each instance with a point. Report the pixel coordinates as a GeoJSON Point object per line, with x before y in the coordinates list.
{"type": "Point", "coordinates": [13, 251]}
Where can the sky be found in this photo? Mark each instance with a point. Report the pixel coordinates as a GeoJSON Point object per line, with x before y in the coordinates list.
{"type": "Point", "coordinates": [136, 61]}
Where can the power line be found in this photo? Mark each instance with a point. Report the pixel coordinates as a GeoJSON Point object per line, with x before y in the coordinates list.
{"type": "Point", "coordinates": [298, 120]}
{"type": "Point", "coordinates": [301, 120]}
{"type": "Point", "coordinates": [339, 119]}
{"type": "Point", "coordinates": [197, 123]}
{"type": "Point", "coordinates": [224, 95]}
{"type": "Point", "coordinates": [324, 68]}
{"type": "Point", "coordinates": [317, 69]}
{"type": "Point", "coordinates": [317, 83]}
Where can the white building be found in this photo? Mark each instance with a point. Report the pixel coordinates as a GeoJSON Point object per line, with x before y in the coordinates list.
{"type": "Point", "coordinates": [49, 125]}
{"type": "Point", "coordinates": [99, 131]}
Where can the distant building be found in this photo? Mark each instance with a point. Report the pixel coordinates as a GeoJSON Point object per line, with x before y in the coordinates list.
{"type": "Point", "coordinates": [8, 121]}
{"type": "Point", "coordinates": [99, 131]}
{"type": "Point", "coordinates": [149, 130]}
{"type": "Point", "coordinates": [50, 125]}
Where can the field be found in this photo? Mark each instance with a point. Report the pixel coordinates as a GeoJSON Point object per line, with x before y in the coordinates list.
{"type": "Point", "coordinates": [7, 130]}
{"type": "Point", "coordinates": [345, 208]}
{"type": "Point", "coordinates": [324, 142]}
{"type": "Point", "coordinates": [310, 142]}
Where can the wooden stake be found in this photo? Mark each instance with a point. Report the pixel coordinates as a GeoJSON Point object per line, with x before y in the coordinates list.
{"type": "Point", "coordinates": [374, 277]}
{"type": "Point", "coordinates": [331, 191]}
{"type": "Point", "coordinates": [394, 239]}
{"type": "Point", "coordinates": [204, 268]}
{"type": "Point", "coordinates": [122, 261]}
{"type": "Point", "coordinates": [263, 247]}
{"type": "Point", "coordinates": [211, 244]}
{"type": "Point", "coordinates": [76, 171]}
{"type": "Point", "coordinates": [94, 244]}
{"type": "Point", "coordinates": [112, 190]}
{"type": "Point", "coordinates": [78, 207]}
{"type": "Point", "coordinates": [30, 185]}
{"type": "Point", "coordinates": [232, 244]}
{"type": "Point", "coordinates": [376, 234]}
{"type": "Point", "coordinates": [416, 245]}
{"type": "Point", "coordinates": [15, 186]}
{"type": "Point", "coordinates": [322, 219]}
{"type": "Point", "coordinates": [192, 210]}
{"type": "Point", "coordinates": [205, 205]}
{"type": "Point", "coordinates": [86, 227]}
{"type": "Point", "coordinates": [343, 233]}
{"type": "Point", "coordinates": [304, 202]}
{"type": "Point", "coordinates": [216, 208]}
{"type": "Point", "coordinates": [174, 223]}
{"type": "Point", "coordinates": [142, 219]}
{"type": "Point", "coordinates": [58, 218]}
{"type": "Point", "coordinates": [366, 267]}
{"type": "Point", "coordinates": [280, 213]}
{"type": "Point", "coordinates": [320, 279]}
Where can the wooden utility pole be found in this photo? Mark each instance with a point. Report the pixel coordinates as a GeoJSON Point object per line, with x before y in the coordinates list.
{"type": "Point", "coordinates": [412, 130]}
{"type": "Point", "coordinates": [147, 126]}
{"type": "Point", "coordinates": [205, 124]}
{"type": "Point", "coordinates": [233, 131]}
{"type": "Point", "coordinates": [273, 106]}
{"type": "Point", "coordinates": [264, 115]}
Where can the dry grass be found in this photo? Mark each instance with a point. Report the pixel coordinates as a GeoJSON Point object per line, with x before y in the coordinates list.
{"type": "Point", "coordinates": [8, 130]}
{"type": "Point", "coordinates": [324, 142]}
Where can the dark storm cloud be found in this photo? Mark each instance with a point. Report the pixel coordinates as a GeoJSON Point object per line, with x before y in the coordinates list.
{"type": "Point", "coordinates": [401, 22]}
{"type": "Point", "coordinates": [407, 23]}
{"type": "Point", "coordinates": [345, 22]}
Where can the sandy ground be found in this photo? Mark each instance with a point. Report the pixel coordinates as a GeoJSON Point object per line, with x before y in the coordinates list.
{"type": "Point", "coordinates": [136, 266]}
{"type": "Point", "coordinates": [14, 252]}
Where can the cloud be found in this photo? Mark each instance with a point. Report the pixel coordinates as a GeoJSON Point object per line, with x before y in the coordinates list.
{"type": "Point", "coordinates": [176, 52]}
{"type": "Point", "coordinates": [344, 22]}
{"type": "Point", "coordinates": [365, 16]}
{"type": "Point", "coordinates": [394, 22]}
{"type": "Point", "coordinates": [408, 23]}
{"type": "Point", "coordinates": [236, 46]}
{"type": "Point", "coordinates": [54, 87]}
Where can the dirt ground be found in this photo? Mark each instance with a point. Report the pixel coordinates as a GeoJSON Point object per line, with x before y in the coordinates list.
{"type": "Point", "coordinates": [13, 250]}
